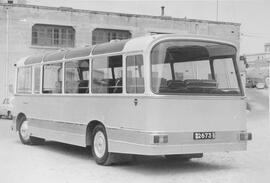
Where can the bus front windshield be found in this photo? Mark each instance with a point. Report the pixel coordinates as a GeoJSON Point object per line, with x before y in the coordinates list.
{"type": "Point", "coordinates": [194, 67]}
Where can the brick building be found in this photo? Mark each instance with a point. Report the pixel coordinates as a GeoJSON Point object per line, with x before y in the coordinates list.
{"type": "Point", "coordinates": [29, 29]}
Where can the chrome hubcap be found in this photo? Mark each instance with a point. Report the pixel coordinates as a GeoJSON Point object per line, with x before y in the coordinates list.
{"type": "Point", "coordinates": [99, 144]}
{"type": "Point", "coordinates": [25, 130]}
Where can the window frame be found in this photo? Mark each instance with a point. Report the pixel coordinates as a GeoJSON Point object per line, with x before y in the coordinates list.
{"type": "Point", "coordinates": [49, 39]}
{"type": "Point", "coordinates": [143, 71]}
{"type": "Point", "coordinates": [110, 34]}
{"type": "Point", "coordinates": [234, 60]}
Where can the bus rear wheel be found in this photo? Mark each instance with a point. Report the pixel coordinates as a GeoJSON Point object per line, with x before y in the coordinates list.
{"type": "Point", "coordinates": [24, 134]}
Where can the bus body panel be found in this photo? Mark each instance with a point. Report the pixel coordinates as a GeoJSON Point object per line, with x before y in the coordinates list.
{"type": "Point", "coordinates": [150, 114]}
{"type": "Point", "coordinates": [184, 115]}
{"type": "Point", "coordinates": [173, 116]}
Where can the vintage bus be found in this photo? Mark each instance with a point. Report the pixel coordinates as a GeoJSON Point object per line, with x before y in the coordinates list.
{"type": "Point", "coordinates": [172, 95]}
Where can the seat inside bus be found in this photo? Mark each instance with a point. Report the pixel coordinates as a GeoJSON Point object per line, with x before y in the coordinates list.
{"type": "Point", "coordinates": [80, 86]}
{"type": "Point", "coordinates": [107, 86]}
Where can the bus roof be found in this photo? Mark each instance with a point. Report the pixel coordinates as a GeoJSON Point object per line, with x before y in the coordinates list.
{"type": "Point", "coordinates": [134, 44]}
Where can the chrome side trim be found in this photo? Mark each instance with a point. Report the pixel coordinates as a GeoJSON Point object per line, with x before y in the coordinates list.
{"type": "Point", "coordinates": [55, 121]}
{"type": "Point", "coordinates": [70, 133]}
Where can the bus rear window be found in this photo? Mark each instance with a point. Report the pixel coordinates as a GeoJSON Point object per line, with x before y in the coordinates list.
{"type": "Point", "coordinates": [24, 80]}
{"type": "Point", "coordinates": [194, 67]}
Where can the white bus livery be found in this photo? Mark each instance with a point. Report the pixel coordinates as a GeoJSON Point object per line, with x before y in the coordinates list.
{"type": "Point", "coordinates": [173, 95]}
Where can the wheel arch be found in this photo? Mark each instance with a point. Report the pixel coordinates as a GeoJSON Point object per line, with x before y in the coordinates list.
{"type": "Point", "coordinates": [89, 129]}
{"type": "Point", "coordinates": [19, 118]}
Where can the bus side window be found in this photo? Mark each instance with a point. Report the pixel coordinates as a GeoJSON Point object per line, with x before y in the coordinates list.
{"type": "Point", "coordinates": [135, 74]}
{"type": "Point", "coordinates": [52, 78]}
{"type": "Point", "coordinates": [24, 80]}
{"type": "Point", "coordinates": [107, 74]}
{"type": "Point", "coordinates": [226, 78]}
{"type": "Point", "coordinates": [77, 76]}
{"type": "Point", "coordinates": [37, 79]}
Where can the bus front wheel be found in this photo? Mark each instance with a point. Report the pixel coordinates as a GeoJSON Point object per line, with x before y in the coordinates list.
{"type": "Point", "coordinates": [24, 134]}
{"type": "Point", "coordinates": [100, 149]}
{"type": "Point", "coordinates": [100, 146]}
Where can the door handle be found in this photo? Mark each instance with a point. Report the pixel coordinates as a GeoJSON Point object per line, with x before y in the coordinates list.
{"type": "Point", "coordinates": [136, 101]}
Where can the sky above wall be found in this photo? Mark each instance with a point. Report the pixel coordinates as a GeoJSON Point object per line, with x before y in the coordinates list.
{"type": "Point", "coordinates": [252, 14]}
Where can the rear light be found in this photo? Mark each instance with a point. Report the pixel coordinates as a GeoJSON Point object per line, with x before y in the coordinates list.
{"type": "Point", "coordinates": [245, 136]}
{"type": "Point", "coordinates": [160, 139]}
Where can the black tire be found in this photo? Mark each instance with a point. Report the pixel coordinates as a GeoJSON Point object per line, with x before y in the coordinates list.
{"type": "Point", "coordinates": [37, 141]}
{"type": "Point", "coordinates": [177, 158]}
{"type": "Point", "coordinates": [29, 140]}
{"type": "Point", "coordinates": [183, 157]}
{"type": "Point", "coordinates": [107, 157]}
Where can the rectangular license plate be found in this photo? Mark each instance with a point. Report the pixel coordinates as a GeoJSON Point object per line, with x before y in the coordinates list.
{"type": "Point", "coordinates": [204, 135]}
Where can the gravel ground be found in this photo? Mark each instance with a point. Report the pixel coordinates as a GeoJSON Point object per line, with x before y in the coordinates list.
{"type": "Point", "coordinates": [61, 163]}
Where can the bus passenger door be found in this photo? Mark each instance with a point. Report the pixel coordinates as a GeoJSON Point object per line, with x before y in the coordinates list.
{"type": "Point", "coordinates": [135, 88]}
